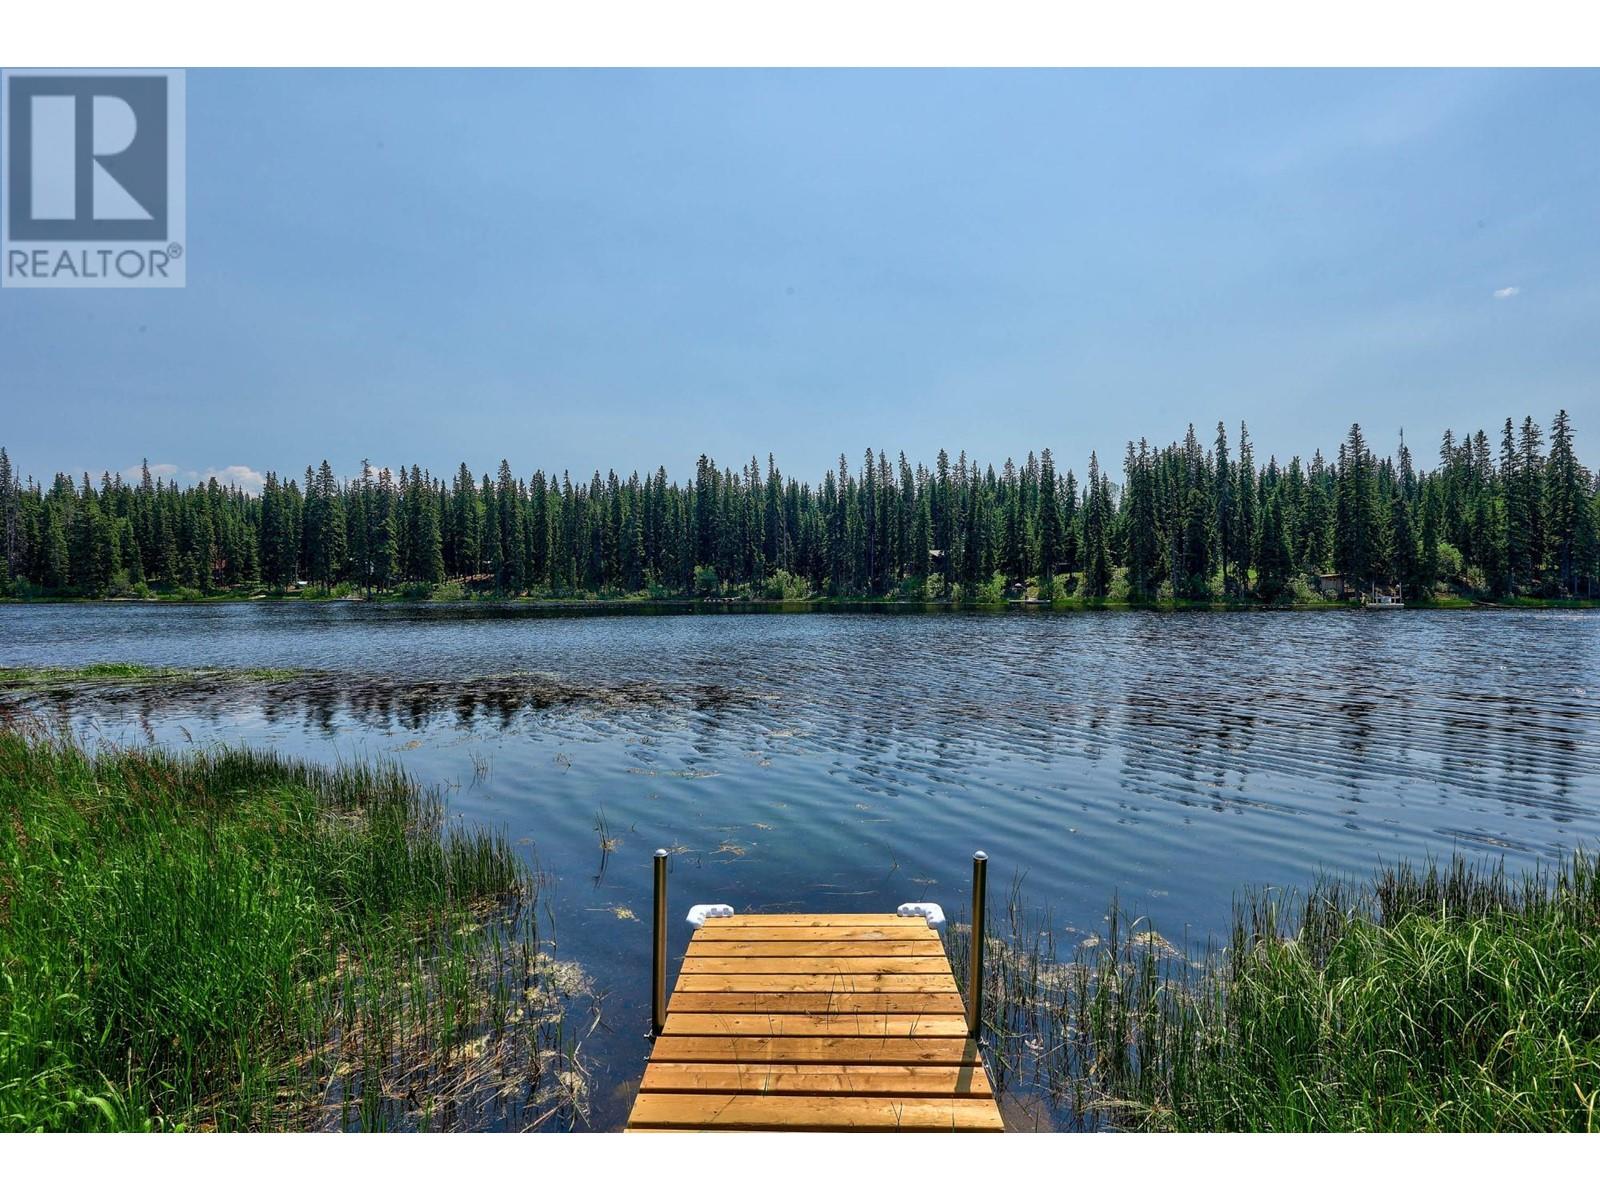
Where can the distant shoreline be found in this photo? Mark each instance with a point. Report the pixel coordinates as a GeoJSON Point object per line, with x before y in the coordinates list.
{"type": "Point", "coordinates": [672, 606]}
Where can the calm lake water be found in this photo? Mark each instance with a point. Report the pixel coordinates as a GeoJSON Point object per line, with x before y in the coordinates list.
{"type": "Point", "coordinates": [849, 762]}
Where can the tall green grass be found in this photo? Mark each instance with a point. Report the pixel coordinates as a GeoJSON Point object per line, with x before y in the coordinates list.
{"type": "Point", "coordinates": [1451, 998]}
{"type": "Point", "coordinates": [234, 940]}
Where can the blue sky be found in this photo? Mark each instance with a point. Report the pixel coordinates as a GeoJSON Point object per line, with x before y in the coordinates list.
{"type": "Point", "coordinates": [625, 269]}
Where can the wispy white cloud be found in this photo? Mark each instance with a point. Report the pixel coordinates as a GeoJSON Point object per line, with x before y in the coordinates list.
{"type": "Point", "coordinates": [1506, 293]}
{"type": "Point", "coordinates": [246, 478]}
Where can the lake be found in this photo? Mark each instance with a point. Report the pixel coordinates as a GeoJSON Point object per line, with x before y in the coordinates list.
{"type": "Point", "coordinates": [853, 761]}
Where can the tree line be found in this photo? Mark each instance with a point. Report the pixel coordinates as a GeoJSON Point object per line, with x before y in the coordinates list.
{"type": "Point", "coordinates": [1188, 520]}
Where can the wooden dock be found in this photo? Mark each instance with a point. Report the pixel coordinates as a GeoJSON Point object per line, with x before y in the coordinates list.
{"type": "Point", "coordinates": [816, 1022]}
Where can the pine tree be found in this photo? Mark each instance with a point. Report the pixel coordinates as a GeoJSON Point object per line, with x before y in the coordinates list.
{"type": "Point", "coordinates": [276, 568]}
{"type": "Point", "coordinates": [383, 533]}
{"type": "Point", "coordinates": [56, 561]}
{"type": "Point", "coordinates": [1565, 502]}
{"type": "Point", "coordinates": [467, 519]}
{"type": "Point", "coordinates": [922, 536]}
{"type": "Point", "coordinates": [1096, 534]}
{"type": "Point", "coordinates": [10, 558]}
{"type": "Point", "coordinates": [1275, 562]}
{"type": "Point", "coordinates": [1430, 558]}
{"type": "Point", "coordinates": [167, 557]}
{"type": "Point", "coordinates": [1516, 556]}
{"type": "Point", "coordinates": [427, 552]}
{"type": "Point", "coordinates": [1587, 542]}
{"type": "Point", "coordinates": [1245, 516]}
{"type": "Point", "coordinates": [358, 522]}
{"type": "Point", "coordinates": [1360, 548]}
{"type": "Point", "coordinates": [1316, 523]}
{"type": "Point", "coordinates": [1404, 562]}
{"type": "Point", "coordinates": [1530, 456]}
{"type": "Point", "coordinates": [1528, 522]}
{"type": "Point", "coordinates": [326, 528]}
{"type": "Point", "coordinates": [1047, 522]}
{"type": "Point", "coordinates": [1197, 544]}
{"type": "Point", "coordinates": [1223, 502]}
{"type": "Point", "coordinates": [505, 554]}
{"type": "Point", "coordinates": [1141, 527]}
{"type": "Point", "coordinates": [1071, 532]}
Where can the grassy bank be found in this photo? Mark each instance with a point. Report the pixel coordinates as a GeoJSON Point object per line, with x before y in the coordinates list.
{"type": "Point", "coordinates": [234, 940]}
{"type": "Point", "coordinates": [1447, 999]}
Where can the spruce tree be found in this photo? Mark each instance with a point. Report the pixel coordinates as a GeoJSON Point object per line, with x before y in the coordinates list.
{"type": "Point", "coordinates": [55, 559]}
{"type": "Point", "coordinates": [1517, 557]}
{"type": "Point", "coordinates": [10, 559]}
{"type": "Point", "coordinates": [467, 519]}
{"type": "Point", "coordinates": [1047, 522]}
{"type": "Point", "coordinates": [1096, 534]}
{"type": "Point", "coordinates": [1223, 501]}
{"type": "Point", "coordinates": [1359, 551]}
{"type": "Point", "coordinates": [1141, 529]}
{"type": "Point", "coordinates": [1565, 502]}
{"type": "Point", "coordinates": [1274, 562]}
{"type": "Point", "coordinates": [1405, 564]}
{"type": "Point", "coordinates": [1245, 516]}
{"type": "Point", "coordinates": [1530, 456]}
{"type": "Point", "coordinates": [427, 539]}
{"type": "Point", "coordinates": [1430, 558]}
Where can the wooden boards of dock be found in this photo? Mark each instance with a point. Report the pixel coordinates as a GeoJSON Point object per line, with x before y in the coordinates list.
{"type": "Point", "coordinates": [820, 1022]}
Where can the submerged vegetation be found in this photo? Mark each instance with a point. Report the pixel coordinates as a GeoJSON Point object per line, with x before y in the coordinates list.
{"type": "Point", "coordinates": [375, 696]}
{"type": "Point", "coordinates": [234, 940]}
{"type": "Point", "coordinates": [137, 673]}
{"type": "Point", "coordinates": [1453, 998]}
{"type": "Point", "coordinates": [1191, 523]}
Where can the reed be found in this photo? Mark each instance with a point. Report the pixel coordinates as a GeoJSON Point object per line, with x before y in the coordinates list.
{"type": "Point", "coordinates": [1450, 997]}
{"type": "Point", "coordinates": [230, 939]}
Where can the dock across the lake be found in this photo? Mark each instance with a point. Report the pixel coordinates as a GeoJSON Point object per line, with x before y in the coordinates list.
{"type": "Point", "coordinates": [822, 1022]}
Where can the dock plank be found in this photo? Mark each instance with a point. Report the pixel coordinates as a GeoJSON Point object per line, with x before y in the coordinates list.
{"type": "Point", "coordinates": [875, 948]}
{"type": "Point", "coordinates": [837, 981]}
{"type": "Point", "coordinates": [818, 920]}
{"type": "Point", "coordinates": [847, 965]}
{"type": "Point", "coordinates": [864, 1114]}
{"type": "Point", "coordinates": [816, 1002]}
{"type": "Point", "coordinates": [816, 1079]}
{"type": "Point", "coordinates": [856, 1024]}
{"type": "Point", "coordinates": [905, 931]}
{"type": "Point", "coordinates": [815, 1021]}
{"type": "Point", "coordinates": [904, 1051]}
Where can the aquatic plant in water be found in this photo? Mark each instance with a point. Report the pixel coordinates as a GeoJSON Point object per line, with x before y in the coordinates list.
{"type": "Point", "coordinates": [230, 939]}
{"type": "Point", "coordinates": [1454, 997]}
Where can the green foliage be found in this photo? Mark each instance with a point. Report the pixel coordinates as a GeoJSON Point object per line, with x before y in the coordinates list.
{"type": "Point", "coordinates": [992, 592]}
{"type": "Point", "coordinates": [1301, 590]}
{"type": "Point", "coordinates": [229, 939]}
{"type": "Point", "coordinates": [1188, 521]}
{"type": "Point", "coordinates": [783, 585]}
{"type": "Point", "coordinates": [1275, 559]}
{"type": "Point", "coordinates": [1450, 562]}
{"type": "Point", "coordinates": [1448, 999]}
